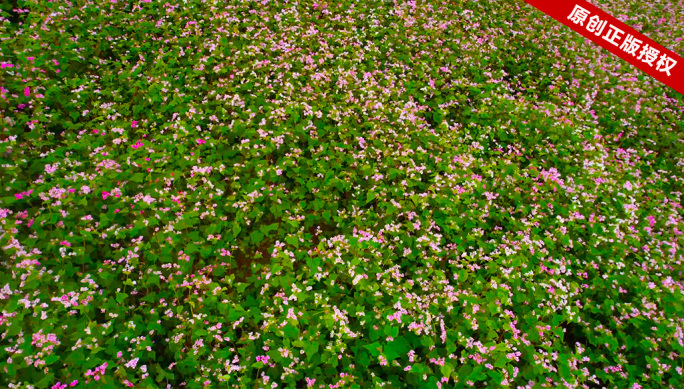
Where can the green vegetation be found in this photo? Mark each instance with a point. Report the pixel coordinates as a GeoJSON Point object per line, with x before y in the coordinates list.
{"type": "Point", "coordinates": [365, 194]}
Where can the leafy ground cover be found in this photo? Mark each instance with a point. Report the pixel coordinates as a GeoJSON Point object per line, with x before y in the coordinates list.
{"type": "Point", "coordinates": [364, 194]}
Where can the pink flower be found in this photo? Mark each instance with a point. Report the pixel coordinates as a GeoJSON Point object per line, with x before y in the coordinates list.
{"type": "Point", "coordinates": [105, 194]}
{"type": "Point", "coordinates": [6, 65]}
{"type": "Point", "coordinates": [27, 91]}
{"type": "Point", "coordinates": [19, 196]}
{"type": "Point", "coordinates": [134, 124]}
{"type": "Point", "coordinates": [200, 141]}
{"type": "Point", "coordinates": [65, 243]}
{"type": "Point", "coordinates": [132, 363]}
{"type": "Point", "coordinates": [263, 358]}
{"type": "Point", "coordinates": [73, 383]}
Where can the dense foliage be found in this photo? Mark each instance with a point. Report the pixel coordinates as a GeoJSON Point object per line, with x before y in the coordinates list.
{"type": "Point", "coordinates": [206, 194]}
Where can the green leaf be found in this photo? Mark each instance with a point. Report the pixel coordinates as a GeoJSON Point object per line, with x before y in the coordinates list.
{"type": "Point", "coordinates": [293, 240]}
{"type": "Point", "coordinates": [390, 353]}
{"type": "Point", "coordinates": [256, 237]}
{"type": "Point", "coordinates": [241, 287]}
{"type": "Point", "coordinates": [501, 361]}
{"type": "Point", "coordinates": [191, 249]}
{"type": "Point", "coordinates": [138, 177]}
{"type": "Point", "coordinates": [14, 328]}
{"type": "Point", "coordinates": [51, 359]}
{"type": "Point", "coordinates": [291, 332]}
{"type": "Point", "coordinates": [120, 297]}
{"type": "Point", "coordinates": [477, 374]}
{"type": "Point", "coordinates": [311, 349]}
{"type": "Point", "coordinates": [495, 376]}
{"type": "Point", "coordinates": [161, 374]}
{"type": "Point", "coordinates": [373, 348]}
{"type": "Point", "coordinates": [362, 359]}
{"type": "Point", "coordinates": [370, 196]}
{"type": "Point", "coordinates": [391, 331]}
{"type": "Point", "coordinates": [446, 369]}
{"type": "Point", "coordinates": [47, 379]}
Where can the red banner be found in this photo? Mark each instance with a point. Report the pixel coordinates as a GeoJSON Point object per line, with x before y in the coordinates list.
{"type": "Point", "coordinates": [618, 38]}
